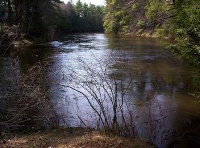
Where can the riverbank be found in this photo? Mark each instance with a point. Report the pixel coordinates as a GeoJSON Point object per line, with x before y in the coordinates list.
{"type": "Point", "coordinates": [149, 33]}
{"type": "Point", "coordinates": [74, 138]}
{"type": "Point", "coordinates": [13, 37]}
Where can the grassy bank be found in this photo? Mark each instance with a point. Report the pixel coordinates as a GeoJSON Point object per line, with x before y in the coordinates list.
{"type": "Point", "coordinates": [73, 138]}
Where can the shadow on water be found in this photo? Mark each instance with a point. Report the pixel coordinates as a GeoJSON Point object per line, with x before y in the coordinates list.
{"type": "Point", "coordinates": [155, 86]}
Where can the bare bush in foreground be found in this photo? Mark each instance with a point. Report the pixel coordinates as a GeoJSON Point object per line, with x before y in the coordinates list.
{"type": "Point", "coordinates": [106, 94]}
{"type": "Point", "coordinates": [25, 102]}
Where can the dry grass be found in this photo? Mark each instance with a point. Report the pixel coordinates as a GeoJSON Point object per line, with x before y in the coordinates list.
{"type": "Point", "coordinates": [73, 138]}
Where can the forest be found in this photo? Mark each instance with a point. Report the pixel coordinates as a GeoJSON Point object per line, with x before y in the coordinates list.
{"type": "Point", "coordinates": [174, 19]}
{"type": "Point", "coordinates": [177, 20]}
{"type": "Point", "coordinates": [46, 18]}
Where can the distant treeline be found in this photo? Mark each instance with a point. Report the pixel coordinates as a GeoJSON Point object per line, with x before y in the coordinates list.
{"type": "Point", "coordinates": [176, 19]}
{"type": "Point", "coordinates": [40, 18]}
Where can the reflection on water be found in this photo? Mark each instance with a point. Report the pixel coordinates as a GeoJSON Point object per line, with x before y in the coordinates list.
{"type": "Point", "coordinates": [157, 85]}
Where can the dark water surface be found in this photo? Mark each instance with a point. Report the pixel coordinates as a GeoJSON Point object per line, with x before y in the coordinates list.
{"type": "Point", "coordinates": [158, 106]}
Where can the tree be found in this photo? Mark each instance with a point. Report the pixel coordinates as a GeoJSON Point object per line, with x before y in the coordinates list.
{"type": "Point", "coordinates": [89, 18]}
{"type": "Point", "coordinates": [185, 29]}
{"type": "Point", "coordinates": [178, 19]}
{"type": "Point", "coordinates": [123, 16]}
{"type": "Point", "coordinates": [156, 11]}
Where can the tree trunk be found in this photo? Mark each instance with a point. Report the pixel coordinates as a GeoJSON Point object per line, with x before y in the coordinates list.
{"type": "Point", "coordinates": [9, 13]}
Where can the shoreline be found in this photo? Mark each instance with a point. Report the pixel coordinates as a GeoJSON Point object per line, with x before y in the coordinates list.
{"type": "Point", "coordinates": [73, 137]}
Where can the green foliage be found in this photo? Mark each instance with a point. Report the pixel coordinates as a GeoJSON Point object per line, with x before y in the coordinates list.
{"type": "Point", "coordinates": [156, 8]}
{"type": "Point", "coordinates": [37, 18]}
{"type": "Point", "coordinates": [110, 26]}
{"type": "Point", "coordinates": [186, 31]}
{"type": "Point", "coordinates": [118, 16]}
{"type": "Point", "coordinates": [114, 2]}
{"type": "Point", "coordinates": [139, 32]}
{"type": "Point", "coordinates": [119, 13]}
{"type": "Point", "coordinates": [196, 79]}
{"type": "Point", "coordinates": [112, 18]}
{"type": "Point", "coordinates": [134, 7]}
{"type": "Point", "coordinates": [140, 23]}
{"type": "Point", "coordinates": [179, 19]}
{"type": "Point", "coordinates": [89, 18]}
{"type": "Point", "coordinates": [125, 21]}
{"type": "Point", "coordinates": [125, 28]}
{"type": "Point", "coordinates": [160, 32]}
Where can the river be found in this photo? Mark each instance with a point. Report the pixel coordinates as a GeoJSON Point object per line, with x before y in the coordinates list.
{"type": "Point", "coordinates": [132, 83]}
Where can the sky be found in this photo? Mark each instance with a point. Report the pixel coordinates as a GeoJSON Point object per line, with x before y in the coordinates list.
{"type": "Point", "coordinates": [95, 2]}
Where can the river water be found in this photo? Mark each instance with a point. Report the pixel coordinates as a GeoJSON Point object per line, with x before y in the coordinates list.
{"type": "Point", "coordinates": [132, 83]}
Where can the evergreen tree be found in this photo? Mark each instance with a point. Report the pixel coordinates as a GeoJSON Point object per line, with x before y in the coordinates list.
{"type": "Point", "coordinates": [185, 29]}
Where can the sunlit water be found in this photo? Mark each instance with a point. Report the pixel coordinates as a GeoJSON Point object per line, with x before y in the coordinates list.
{"type": "Point", "coordinates": [157, 99]}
